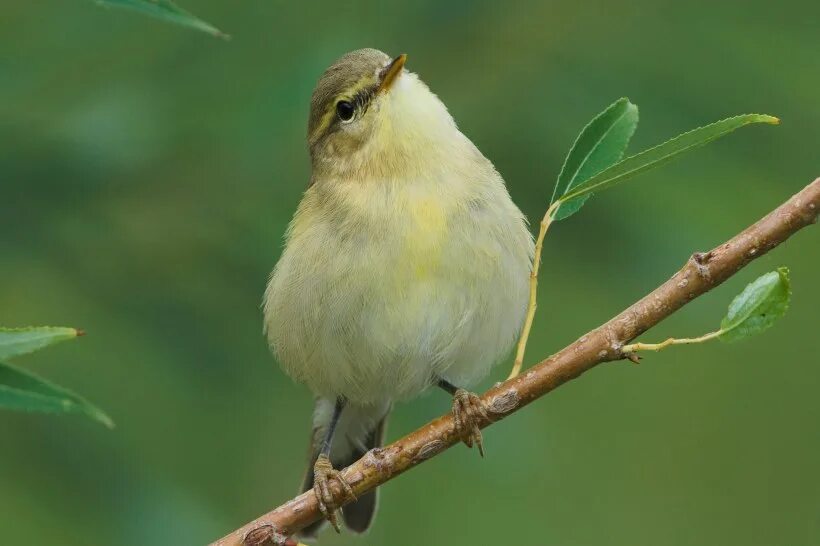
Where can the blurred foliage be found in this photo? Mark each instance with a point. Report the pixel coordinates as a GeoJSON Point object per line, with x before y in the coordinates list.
{"type": "Point", "coordinates": [24, 391]}
{"type": "Point", "coordinates": [147, 175]}
{"type": "Point", "coordinates": [165, 10]}
{"type": "Point", "coordinates": [22, 341]}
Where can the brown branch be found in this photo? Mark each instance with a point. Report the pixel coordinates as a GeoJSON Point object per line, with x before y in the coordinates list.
{"type": "Point", "coordinates": [702, 272]}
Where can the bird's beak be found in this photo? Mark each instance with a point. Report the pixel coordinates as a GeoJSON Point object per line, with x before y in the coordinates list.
{"type": "Point", "coordinates": [391, 72]}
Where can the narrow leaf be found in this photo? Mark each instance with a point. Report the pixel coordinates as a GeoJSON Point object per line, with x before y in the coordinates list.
{"type": "Point", "coordinates": [757, 308]}
{"type": "Point", "coordinates": [663, 153]}
{"type": "Point", "coordinates": [167, 11]}
{"type": "Point", "coordinates": [23, 391]}
{"type": "Point", "coordinates": [599, 145]}
{"type": "Point", "coordinates": [19, 341]}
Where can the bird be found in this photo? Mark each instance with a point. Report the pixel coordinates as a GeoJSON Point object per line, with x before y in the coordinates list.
{"type": "Point", "coordinates": [406, 266]}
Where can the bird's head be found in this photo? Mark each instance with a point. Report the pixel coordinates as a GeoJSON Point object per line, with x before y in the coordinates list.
{"type": "Point", "coordinates": [370, 117]}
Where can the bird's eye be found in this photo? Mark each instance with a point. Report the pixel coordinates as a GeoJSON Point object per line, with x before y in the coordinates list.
{"type": "Point", "coordinates": [344, 110]}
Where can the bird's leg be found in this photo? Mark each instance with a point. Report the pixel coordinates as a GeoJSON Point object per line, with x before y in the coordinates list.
{"type": "Point", "coordinates": [468, 413]}
{"type": "Point", "coordinates": [323, 471]}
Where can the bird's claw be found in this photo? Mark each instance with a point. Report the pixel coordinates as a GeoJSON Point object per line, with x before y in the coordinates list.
{"type": "Point", "coordinates": [323, 472]}
{"type": "Point", "coordinates": [468, 413]}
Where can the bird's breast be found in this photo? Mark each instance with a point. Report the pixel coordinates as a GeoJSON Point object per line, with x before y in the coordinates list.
{"type": "Point", "coordinates": [407, 224]}
{"type": "Point", "coordinates": [425, 236]}
{"type": "Point", "coordinates": [384, 285]}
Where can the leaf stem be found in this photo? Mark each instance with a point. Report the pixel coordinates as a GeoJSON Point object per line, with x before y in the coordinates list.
{"type": "Point", "coordinates": [531, 306]}
{"type": "Point", "coordinates": [635, 347]}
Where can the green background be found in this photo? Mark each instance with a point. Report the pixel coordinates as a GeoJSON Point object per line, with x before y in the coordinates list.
{"type": "Point", "coordinates": [147, 173]}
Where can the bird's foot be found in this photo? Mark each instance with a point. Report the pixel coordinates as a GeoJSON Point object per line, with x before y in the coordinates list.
{"type": "Point", "coordinates": [468, 413]}
{"type": "Point", "coordinates": [323, 472]}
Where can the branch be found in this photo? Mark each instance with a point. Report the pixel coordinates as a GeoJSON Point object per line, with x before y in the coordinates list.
{"type": "Point", "coordinates": [702, 272]}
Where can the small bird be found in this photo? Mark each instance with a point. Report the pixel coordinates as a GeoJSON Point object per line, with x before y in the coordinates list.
{"type": "Point", "coordinates": [405, 266]}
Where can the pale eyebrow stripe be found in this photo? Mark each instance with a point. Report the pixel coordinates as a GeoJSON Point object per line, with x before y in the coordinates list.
{"type": "Point", "coordinates": [361, 99]}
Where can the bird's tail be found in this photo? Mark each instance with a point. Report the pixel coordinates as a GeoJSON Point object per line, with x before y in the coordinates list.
{"type": "Point", "coordinates": [360, 429]}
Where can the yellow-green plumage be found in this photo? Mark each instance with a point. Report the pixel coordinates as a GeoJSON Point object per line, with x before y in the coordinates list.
{"type": "Point", "coordinates": [406, 259]}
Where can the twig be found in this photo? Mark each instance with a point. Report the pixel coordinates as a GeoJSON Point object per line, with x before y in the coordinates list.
{"type": "Point", "coordinates": [702, 272]}
{"type": "Point", "coordinates": [633, 347]}
{"type": "Point", "coordinates": [531, 305]}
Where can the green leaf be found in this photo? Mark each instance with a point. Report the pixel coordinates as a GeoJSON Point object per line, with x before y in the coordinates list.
{"type": "Point", "coordinates": [24, 391]}
{"type": "Point", "coordinates": [20, 341]}
{"type": "Point", "coordinates": [663, 153]}
{"type": "Point", "coordinates": [599, 145]}
{"type": "Point", "coordinates": [760, 304]}
{"type": "Point", "coordinates": [167, 11]}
